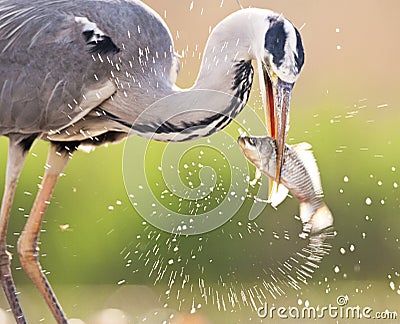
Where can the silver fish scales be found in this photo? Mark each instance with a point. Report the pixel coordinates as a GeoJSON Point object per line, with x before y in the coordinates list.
{"type": "Point", "coordinates": [299, 174]}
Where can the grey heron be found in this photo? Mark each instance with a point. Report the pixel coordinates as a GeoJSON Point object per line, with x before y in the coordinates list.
{"type": "Point", "coordinates": [83, 72]}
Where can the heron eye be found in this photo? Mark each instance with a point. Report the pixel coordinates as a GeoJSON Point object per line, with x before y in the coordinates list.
{"type": "Point", "coordinates": [252, 141]}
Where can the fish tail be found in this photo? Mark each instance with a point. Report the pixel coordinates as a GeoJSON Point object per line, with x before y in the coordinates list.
{"type": "Point", "coordinates": [315, 220]}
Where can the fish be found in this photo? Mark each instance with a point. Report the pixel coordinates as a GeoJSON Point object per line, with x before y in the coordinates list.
{"type": "Point", "coordinates": [299, 175]}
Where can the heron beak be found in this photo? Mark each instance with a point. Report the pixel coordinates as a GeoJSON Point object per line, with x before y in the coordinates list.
{"type": "Point", "coordinates": [283, 94]}
{"type": "Point", "coordinates": [277, 113]}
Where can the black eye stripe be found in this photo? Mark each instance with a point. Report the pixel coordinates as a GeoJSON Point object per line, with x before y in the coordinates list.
{"type": "Point", "coordinates": [300, 51]}
{"type": "Point", "coordinates": [275, 40]}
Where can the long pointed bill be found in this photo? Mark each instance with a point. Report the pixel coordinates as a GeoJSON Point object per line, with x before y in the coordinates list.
{"type": "Point", "coordinates": [265, 91]}
{"type": "Point", "coordinates": [276, 96]}
{"type": "Point", "coordinates": [271, 118]}
{"type": "Point", "coordinates": [282, 93]}
{"type": "Point", "coordinates": [267, 97]}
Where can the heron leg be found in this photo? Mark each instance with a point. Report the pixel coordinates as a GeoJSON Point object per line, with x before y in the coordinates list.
{"type": "Point", "coordinates": [27, 244]}
{"type": "Point", "coordinates": [18, 148]}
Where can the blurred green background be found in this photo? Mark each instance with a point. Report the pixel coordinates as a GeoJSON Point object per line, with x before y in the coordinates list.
{"type": "Point", "coordinates": [346, 103]}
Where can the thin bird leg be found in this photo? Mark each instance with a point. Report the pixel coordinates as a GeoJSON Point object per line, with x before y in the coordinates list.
{"type": "Point", "coordinates": [17, 152]}
{"type": "Point", "coordinates": [27, 244]}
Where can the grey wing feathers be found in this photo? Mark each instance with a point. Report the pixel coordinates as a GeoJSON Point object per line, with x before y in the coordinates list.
{"type": "Point", "coordinates": [47, 76]}
{"type": "Point", "coordinates": [59, 59]}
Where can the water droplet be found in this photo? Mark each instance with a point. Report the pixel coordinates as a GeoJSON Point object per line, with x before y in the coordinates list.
{"type": "Point", "coordinates": [368, 201]}
{"type": "Point", "coordinates": [346, 179]}
{"type": "Point", "coordinates": [342, 250]}
{"type": "Point", "coordinates": [391, 285]}
{"type": "Point", "coordinates": [336, 269]}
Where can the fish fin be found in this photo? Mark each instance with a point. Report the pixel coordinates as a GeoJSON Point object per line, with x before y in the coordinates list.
{"type": "Point", "coordinates": [315, 221]}
{"type": "Point", "coordinates": [321, 219]}
{"type": "Point", "coordinates": [257, 177]}
{"type": "Point", "coordinates": [277, 193]}
{"type": "Point", "coordinates": [306, 212]}
{"type": "Point", "coordinates": [303, 151]}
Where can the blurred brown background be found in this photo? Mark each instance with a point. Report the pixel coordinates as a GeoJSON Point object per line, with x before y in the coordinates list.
{"type": "Point", "coordinates": [367, 62]}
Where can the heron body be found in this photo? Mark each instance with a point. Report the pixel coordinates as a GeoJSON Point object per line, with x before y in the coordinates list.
{"type": "Point", "coordinates": [91, 72]}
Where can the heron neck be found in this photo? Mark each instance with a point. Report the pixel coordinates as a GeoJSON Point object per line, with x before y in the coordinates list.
{"type": "Point", "coordinates": [220, 92]}
{"type": "Point", "coordinates": [209, 106]}
{"type": "Point", "coordinates": [221, 89]}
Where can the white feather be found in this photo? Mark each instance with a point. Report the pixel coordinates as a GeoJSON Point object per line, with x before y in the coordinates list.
{"type": "Point", "coordinates": [89, 26]}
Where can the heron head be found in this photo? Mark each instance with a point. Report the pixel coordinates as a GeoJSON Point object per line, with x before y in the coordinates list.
{"type": "Point", "coordinates": [271, 40]}
{"type": "Point", "coordinates": [280, 64]}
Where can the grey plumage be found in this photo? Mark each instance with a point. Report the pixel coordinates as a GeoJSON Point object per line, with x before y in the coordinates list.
{"type": "Point", "coordinates": [75, 74]}
{"type": "Point", "coordinates": [39, 95]}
